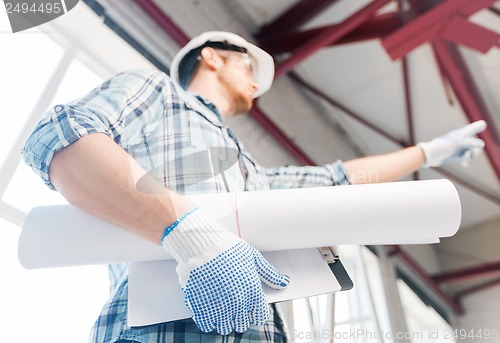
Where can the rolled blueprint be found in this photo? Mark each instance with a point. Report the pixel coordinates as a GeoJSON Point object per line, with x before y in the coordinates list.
{"type": "Point", "coordinates": [388, 213]}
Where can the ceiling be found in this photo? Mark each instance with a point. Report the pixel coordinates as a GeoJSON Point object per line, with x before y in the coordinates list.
{"type": "Point", "coordinates": [357, 78]}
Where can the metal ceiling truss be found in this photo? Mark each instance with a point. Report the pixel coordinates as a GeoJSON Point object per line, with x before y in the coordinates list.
{"type": "Point", "coordinates": [440, 25]}
{"type": "Point", "coordinates": [443, 21]}
{"type": "Point", "coordinates": [328, 36]}
{"type": "Point", "coordinates": [375, 27]}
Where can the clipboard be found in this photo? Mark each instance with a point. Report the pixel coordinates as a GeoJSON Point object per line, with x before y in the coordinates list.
{"type": "Point", "coordinates": [156, 297]}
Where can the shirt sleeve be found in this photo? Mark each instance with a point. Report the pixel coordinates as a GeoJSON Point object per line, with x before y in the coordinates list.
{"type": "Point", "coordinates": [106, 109]}
{"type": "Point", "coordinates": [333, 174]}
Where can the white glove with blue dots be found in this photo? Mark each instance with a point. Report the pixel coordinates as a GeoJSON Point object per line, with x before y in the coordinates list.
{"type": "Point", "coordinates": [220, 274]}
{"type": "Point", "coordinates": [458, 145]}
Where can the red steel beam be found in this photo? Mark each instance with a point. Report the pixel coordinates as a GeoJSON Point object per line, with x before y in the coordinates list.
{"type": "Point", "coordinates": [376, 27]}
{"type": "Point", "coordinates": [468, 95]}
{"type": "Point", "coordinates": [461, 31]}
{"type": "Point", "coordinates": [477, 288]}
{"type": "Point", "coordinates": [467, 273]}
{"type": "Point", "coordinates": [474, 6]}
{"type": "Point", "coordinates": [329, 36]}
{"type": "Point", "coordinates": [422, 273]}
{"type": "Point", "coordinates": [295, 16]}
{"type": "Point", "coordinates": [427, 26]}
{"type": "Point", "coordinates": [491, 197]}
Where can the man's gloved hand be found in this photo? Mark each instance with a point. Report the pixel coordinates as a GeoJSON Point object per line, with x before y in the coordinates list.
{"type": "Point", "coordinates": [457, 145]}
{"type": "Point", "coordinates": [220, 274]}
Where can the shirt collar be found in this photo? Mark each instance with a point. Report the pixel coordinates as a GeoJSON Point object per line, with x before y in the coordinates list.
{"type": "Point", "coordinates": [203, 106]}
{"type": "Point", "coordinates": [210, 105]}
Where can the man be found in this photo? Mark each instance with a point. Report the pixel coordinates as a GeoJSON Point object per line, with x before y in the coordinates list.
{"type": "Point", "coordinates": [102, 151]}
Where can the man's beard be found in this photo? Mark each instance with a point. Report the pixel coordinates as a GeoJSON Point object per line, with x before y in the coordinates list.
{"type": "Point", "coordinates": [241, 101]}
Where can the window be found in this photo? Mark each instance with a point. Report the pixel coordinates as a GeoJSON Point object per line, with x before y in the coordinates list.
{"type": "Point", "coordinates": [40, 67]}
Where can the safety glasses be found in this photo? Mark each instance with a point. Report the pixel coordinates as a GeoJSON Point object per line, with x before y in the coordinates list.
{"type": "Point", "coordinates": [243, 58]}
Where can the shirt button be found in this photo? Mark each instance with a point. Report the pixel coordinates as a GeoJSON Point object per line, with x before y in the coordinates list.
{"type": "Point", "coordinates": [59, 108]}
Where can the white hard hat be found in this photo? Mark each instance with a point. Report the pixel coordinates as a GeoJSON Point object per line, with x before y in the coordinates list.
{"type": "Point", "coordinates": [263, 69]}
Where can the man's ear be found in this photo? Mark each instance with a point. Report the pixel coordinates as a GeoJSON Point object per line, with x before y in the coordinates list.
{"type": "Point", "coordinates": [210, 58]}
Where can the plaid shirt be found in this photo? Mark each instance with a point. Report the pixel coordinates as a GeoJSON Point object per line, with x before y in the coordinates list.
{"type": "Point", "coordinates": [161, 126]}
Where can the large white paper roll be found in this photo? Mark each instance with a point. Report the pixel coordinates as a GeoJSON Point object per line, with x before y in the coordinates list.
{"type": "Point", "coordinates": [398, 212]}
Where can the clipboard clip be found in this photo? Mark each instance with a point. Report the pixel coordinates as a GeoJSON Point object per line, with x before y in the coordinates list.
{"type": "Point", "coordinates": [329, 254]}
{"type": "Point", "coordinates": [331, 257]}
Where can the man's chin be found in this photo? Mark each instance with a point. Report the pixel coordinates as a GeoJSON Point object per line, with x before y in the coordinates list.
{"type": "Point", "coordinates": [244, 107]}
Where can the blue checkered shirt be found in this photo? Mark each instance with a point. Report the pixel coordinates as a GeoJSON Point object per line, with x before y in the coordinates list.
{"type": "Point", "coordinates": [158, 123]}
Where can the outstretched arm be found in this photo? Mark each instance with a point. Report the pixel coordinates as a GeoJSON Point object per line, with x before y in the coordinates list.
{"type": "Point", "coordinates": [458, 145]}
{"type": "Point", "coordinates": [386, 167]}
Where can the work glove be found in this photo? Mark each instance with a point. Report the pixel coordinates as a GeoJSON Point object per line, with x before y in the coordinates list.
{"type": "Point", "coordinates": [457, 145]}
{"type": "Point", "coordinates": [220, 274]}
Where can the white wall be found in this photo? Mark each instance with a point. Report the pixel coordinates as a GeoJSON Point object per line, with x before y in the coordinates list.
{"type": "Point", "coordinates": [425, 255]}
{"type": "Point", "coordinates": [475, 244]}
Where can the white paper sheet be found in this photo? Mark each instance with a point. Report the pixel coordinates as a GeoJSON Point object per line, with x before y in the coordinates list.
{"type": "Point", "coordinates": [414, 211]}
{"type": "Point", "coordinates": [160, 299]}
